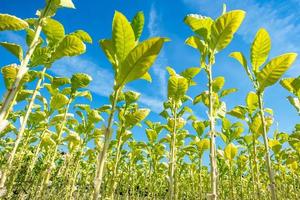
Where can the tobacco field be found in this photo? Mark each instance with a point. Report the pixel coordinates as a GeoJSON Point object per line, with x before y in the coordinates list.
{"type": "Point", "coordinates": [60, 146]}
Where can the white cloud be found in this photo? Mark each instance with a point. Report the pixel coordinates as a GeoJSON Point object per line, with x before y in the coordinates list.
{"type": "Point", "coordinates": [161, 62]}
{"type": "Point", "coordinates": [102, 83]}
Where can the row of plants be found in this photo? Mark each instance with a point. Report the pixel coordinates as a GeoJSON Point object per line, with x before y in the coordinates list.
{"type": "Point", "coordinates": [57, 146]}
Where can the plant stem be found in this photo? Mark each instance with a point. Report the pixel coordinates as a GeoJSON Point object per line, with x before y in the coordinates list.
{"type": "Point", "coordinates": [213, 162]}
{"type": "Point", "coordinates": [172, 163]}
{"type": "Point", "coordinates": [21, 131]}
{"type": "Point", "coordinates": [102, 155]}
{"type": "Point", "coordinates": [116, 164]}
{"type": "Point", "coordinates": [266, 143]}
{"type": "Point", "coordinates": [11, 94]}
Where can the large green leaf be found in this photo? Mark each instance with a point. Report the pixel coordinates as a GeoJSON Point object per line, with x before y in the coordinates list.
{"type": "Point", "coordinates": [137, 25]}
{"type": "Point", "coordinates": [177, 87]}
{"type": "Point", "coordinates": [54, 31]}
{"type": "Point", "coordinates": [260, 49]}
{"type": "Point", "coordinates": [139, 60]}
{"type": "Point", "coordinates": [10, 22]}
{"type": "Point", "coordinates": [224, 27]}
{"type": "Point", "coordinates": [15, 49]}
{"type": "Point", "coordinates": [272, 72]}
{"type": "Point", "coordinates": [122, 36]}
{"type": "Point", "coordinates": [69, 46]}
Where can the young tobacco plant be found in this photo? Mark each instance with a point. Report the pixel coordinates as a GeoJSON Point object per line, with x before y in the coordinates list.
{"type": "Point", "coordinates": [293, 86]}
{"type": "Point", "coordinates": [178, 86]}
{"type": "Point", "coordinates": [212, 36]}
{"type": "Point", "coordinates": [263, 77]}
{"type": "Point", "coordinates": [131, 60]}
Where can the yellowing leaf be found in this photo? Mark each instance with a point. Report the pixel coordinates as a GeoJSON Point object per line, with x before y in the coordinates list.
{"type": "Point", "coordinates": [260, 49]}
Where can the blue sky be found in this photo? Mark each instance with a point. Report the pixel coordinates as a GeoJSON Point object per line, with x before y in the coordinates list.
{"type": "Point", "coordinates": [165, 18]}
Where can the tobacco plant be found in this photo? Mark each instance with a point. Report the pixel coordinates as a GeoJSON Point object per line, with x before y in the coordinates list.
{"type": "Point", "coordinates": [263, 77]}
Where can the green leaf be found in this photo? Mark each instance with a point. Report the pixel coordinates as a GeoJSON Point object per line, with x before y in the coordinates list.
{"type": "Point", "coordinates": [203, 145]}
{"type": "Point", "coordinates": [227, 92]}
{"type": "Point", "coordinates": [190, 73]}
{"type": "Point", "coordinates": [295, 102]}
{"type": "Point", "coordinates": [59, 81]}
{"type": "Point", "coordinates": [260, 49]}
{"type": "Point", "coordinates": [108, 48]}
{"type": "Point", "coordinates": [139, 60]}
{"type": "Point", "coordinates": [137, 116]}
{"type": "Point", "coordinates": [29, 37]}
{"type": "Point", "coordinates": [239, 56]}
{"type": "Point", "coordinates": [224, 27]}
{"type": "Point", "coordinates": [218, 83]}
{"type": "Point", "coordinates": [292, 85]}
{"type": "Point", "coordinates": [10, 22]}
{"type": "Point", "coordinates": [230, 151]}
{"type": "Point", "coordinates": [199, 127]}
{"type": "Point", "coordinates": [272, 72]}
{"type": "Point", "coordinates": [137, 25]}
{"type": "Point", "coordinates": [239, 112]}
{"type": "Point", "coordinates": [15, 49]}
{"type": "Point", "coordinates": [131, 97]}
{"type": "Point", "coordinates": [69, 46]}
{"type": "Point", "coordinates": [10, 73]}
{"type": "Point", "coordinates": [53, 30]}
{"type": "Point", "coordinates": [199, 24]}
{"type": "Point", "coordinates": [122, 36]}
{"type": "Point", "coordinates": [147, 77]}
{"type": "Point", "coordinates": [177, 87]}
{"type": "Point", "coordinates": [196, 43]}
{"type": "Point", "coordinates": [252, 102]}
{"type": "Point", "coordinates": [84, 36]}
{"type": "Point", "coordinates": [40, 56]}
{"type": "Point", "coordinates": [58, 101]}
{"type": "Point", "coordinates": [256, 124]}
{"type": "Point", "coordinates": [80, 80]}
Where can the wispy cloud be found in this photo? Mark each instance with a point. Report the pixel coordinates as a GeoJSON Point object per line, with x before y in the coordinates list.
{"type": "Point", "coordinates": [279, 18]}
{"type": "Point", "coordinates": [161, 62]}
{"type": "Point", "coordinates": [102, 83]}
{"type": "Point", "coordinates": [102, 78]}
